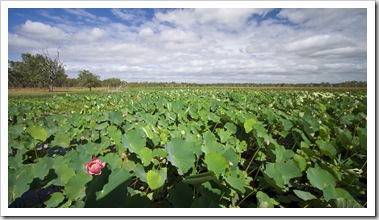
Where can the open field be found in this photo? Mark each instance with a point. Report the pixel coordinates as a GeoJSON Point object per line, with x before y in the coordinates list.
{"type": "Point", "coordinates": [213, 147]}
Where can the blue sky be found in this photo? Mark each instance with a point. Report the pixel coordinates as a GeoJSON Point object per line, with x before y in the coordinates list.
{"type": "Point", "coordinates": [200, 45]}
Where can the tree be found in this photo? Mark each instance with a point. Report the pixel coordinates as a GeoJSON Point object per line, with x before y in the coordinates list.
{"type": "Point", "coordinates": [112, 82]}
{"type": "Point", "coordinates": [35, 71]}
{"type": "Point", "coordinates": [52, 67]}
{"type": "Point", "coordinates": [88, 79]}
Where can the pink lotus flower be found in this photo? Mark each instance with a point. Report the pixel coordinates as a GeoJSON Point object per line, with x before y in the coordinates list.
{"type": "Point", "coordinates": [138, 98]}
{"type": "Point", "coordinates": [24, 120]}
{"type": "Point", "coordinates": [94, 167]}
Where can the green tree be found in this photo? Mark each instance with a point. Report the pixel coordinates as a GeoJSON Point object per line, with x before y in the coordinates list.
{"type": "Point", "coordinates": [112, 82]}
{"type": "Point", "coordinates": [71, 82]}
{"type": "Point", "coordinates": [35, 71]}
{"type": "Point", "coordinates": [88, 79]}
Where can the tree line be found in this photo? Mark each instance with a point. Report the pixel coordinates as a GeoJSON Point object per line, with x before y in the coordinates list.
{"type": "Point", "coordinates": [40, 70]}
{"type": "Point", "coordinates": [43, 71]}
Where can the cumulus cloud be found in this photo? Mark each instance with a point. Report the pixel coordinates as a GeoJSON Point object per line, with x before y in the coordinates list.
{"type": "Point", "coordinates": [41, 31]}
{"type": "Point", "coordinates": [205, 45]}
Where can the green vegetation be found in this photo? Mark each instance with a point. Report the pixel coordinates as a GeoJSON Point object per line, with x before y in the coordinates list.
{"type": "Point", "coordinates": [88, 79]}
{"type": "Point", "coordinates": [190, 148]}
{"type": "Point", "coordinates": [36, 71]}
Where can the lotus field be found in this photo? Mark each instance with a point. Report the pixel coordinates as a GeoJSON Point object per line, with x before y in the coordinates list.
{"type": "Point", "coordinates": [194, 148]}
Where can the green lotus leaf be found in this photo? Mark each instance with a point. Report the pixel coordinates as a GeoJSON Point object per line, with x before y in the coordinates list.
{"type": "Point", "coordinates": [301, 162]}
{"type": "Point", "coordinates": [118, 181]}
{"type": "Point", "coordinates": [304, 195]}
{"type": "Point", "coordinates": [224, 135]}
{"type": "Point", "coordinates": [326, 148]}
{"type": "Point", "coordinates": [330, 192]}
{"type": "Point", "coordinates": [180, 154]}
{"type": "Point", "coordinates": [101, 126]}
{"type": "Point", "coordinates": [325, 133]}
{"type": "Point", "coordinates": [362, 134]}
{"type": "Point", "coordinates": [345, 203]}
{"type": "Point", "coordinates": [134, 141]}
{"type": "Point", "coordinates": [156, 178]}
{"type": "Point", "coordinates": [237, 181]}
{"type": "Point", "coordinates": [18, 182]}
{"type": "Point", "coordinates": [116, 118]}
{"type": "Point", "coordinates": [38, 133]}
{"type": "Point", "coordinates": [145, 155]}
{"type": "Point", "coordinates": [320, 178]}
{"type": "Point", "coordinates": [159, 152]}
{"type": "Point", "coordinates": [264, 201]}
{"type": "Point", "coordinates": [249, 124]}
{"type": "Point", "coordinates": [115, 134]}
{"type": "Point", "coordinates": [231, 127]}
{"type": "Point", "coordinates": [216, 163]}
{"type": "Point", "coordinates": [61, 140]}
{"type": "Point", "coordinates": [75, 187]}
{"type": "Point", "coordinates": [54, 200]}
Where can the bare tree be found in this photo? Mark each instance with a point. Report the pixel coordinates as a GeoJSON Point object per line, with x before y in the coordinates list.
{"type": "Point", "coordinates": [52, 67]}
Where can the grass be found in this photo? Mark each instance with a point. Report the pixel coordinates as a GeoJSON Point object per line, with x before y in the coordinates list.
{"type": "Point", "coordinates": [43, 92]}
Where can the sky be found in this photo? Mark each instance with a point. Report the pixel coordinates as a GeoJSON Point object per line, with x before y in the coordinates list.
{"type": "Point", "coordinates": [198, 45]}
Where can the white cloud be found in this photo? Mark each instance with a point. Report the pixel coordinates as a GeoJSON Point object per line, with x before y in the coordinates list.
{"type": "Point", "coordinates": [228, 18]}
{"type": "Point", "coordinates": [90, 35]}
{"type": "Point", "coordinates": [206, 45]}
{"type": "Point", "coordinates": [145, 32]}
{"type": "Point", "coordinates": [41, 31]}
{"type": "Point", "coordinates": [80, 13]}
